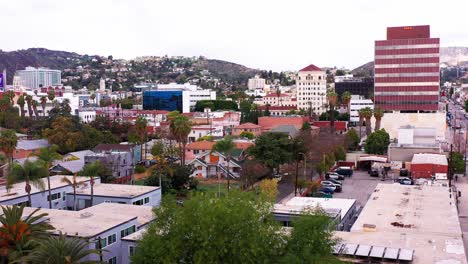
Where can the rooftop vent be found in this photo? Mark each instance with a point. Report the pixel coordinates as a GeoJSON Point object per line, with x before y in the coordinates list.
{"type": "Point", "coordinates": [86, 215]}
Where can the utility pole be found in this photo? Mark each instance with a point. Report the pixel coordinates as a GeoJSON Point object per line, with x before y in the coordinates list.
{"type": "Point", "coordinates": [297, 172]}
{"type": "Point", "coordinates": [450, 169]}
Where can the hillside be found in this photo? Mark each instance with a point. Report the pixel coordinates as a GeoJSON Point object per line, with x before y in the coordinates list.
{"type": "Point", "coordinates": [86, 70]}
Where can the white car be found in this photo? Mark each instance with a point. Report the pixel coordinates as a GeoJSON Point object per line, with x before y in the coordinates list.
{"type": "Point", "coordinates": [329, 185]}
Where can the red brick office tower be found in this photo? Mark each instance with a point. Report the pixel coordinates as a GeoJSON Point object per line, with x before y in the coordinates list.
{"type": "Point", "coordinates": [406, 70]}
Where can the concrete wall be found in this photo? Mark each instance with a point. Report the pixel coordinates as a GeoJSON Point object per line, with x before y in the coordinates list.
{"type": "Point", "coordinates": [406, 153]}
{"type": "Point", "coordinates": [393, 121]}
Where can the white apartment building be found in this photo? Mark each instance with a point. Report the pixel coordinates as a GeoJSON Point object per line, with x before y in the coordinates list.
{"type": "Point", "coordinates": [36, 77]}
{"type": "Point", "coordinates": [312, 89]}
{"type": "Point", "coordinates": [357, 103]}
{"type": "Point", "coordinates": [256, 83]}
{"type": "Point", "coordinates": [282, 100]}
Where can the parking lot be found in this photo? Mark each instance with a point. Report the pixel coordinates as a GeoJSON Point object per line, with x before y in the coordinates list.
{"type": "Point", "coordinates": [359, 187]}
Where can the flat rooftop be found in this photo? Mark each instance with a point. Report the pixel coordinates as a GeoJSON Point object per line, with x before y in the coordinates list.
{"type": "Point", "coordinates": [143, 213]}
{"type": "Point", "coordinates": [17, 189]}
{"type": "Point", "coordinates": [297, 205]}
{"type": "Point", "coordinates": [423, 218]}
{"type": "Point", "coordinates": [80, 223]}
{"type": "Point", "coordinates": [135, 236]}
{"type": "Point", "coordinates": [116, 190]}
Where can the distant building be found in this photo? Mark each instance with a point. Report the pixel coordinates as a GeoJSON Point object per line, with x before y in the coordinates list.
{"type": "Point", "coordinates": [119, 163]}
{"type": "Point", "coordinates": [311, 89]}
{"type": "Point", "coordinates": [35, 78]}
{"type": "Point", "coordinates": [180, 97]}
{"type": "Point", "coordinates": [357, 103]}
{"type": "Point", "coordinates": [256, 83]}
{"type": "Point", "coordinates": [269, 122]}
{"type": "Point", "coordinates": [406, 70]}
{"type": "Point", "coordinates": [247, 127]}
{"type": "Point", "coordinates": [356, 86]}
{"type": "Point", "coordinates": [412, 141]}
{"type": "Point", "coordinates": [427, 165]}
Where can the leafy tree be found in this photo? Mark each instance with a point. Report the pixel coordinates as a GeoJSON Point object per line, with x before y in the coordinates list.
{"type": "Point", "coordinates": [272, 149]}
{"type": "Point", "coordinates": [225, 147]}
{"type": "Point", "coordinates": [51, 95]}
{"type": "Point", "coordinates": [47, 156]}
{"type": "Point", "coordinates": [457, 163]}
{"type": "Point", "coordinates": [252, 171]}
{"type": "Point", "coordinates": [31, 173]}
{"type": "Point", "coordinates": [8, 142]}
{"type": "Point", "coordinates": [175, 178]}
{"type": "Point", "coordinates": [352, 139]}
{"type": "Point", "coordinates": [206, 138]}
{"type": "Point", "coordinates": [339, 152]}
{"type": "Point", "coordinates": [311, 240]}
{"type": "Point", "coordinates": [229, 229]}
{"type": "Point", "coordinates": [62, 249]}
{"type": "Point", "coordinates": [340, 73]}
{"type": "Point", "coordinates": [20, 234]}
{"type": "Point", "coordinates": [466, 105]}
{"type": "Point", "coordinates": [306, 126]}
{"type": "Point", "coordinates": [64, 133]}
{"type": "Point", "coordinates": [246, 134]}
{"type": "Point", "coordinates": [138, 133]}
{"type": "Point", "coordinates": [215, 105]}
{"type": "Point", "coordinates": [377, 142]}
{"type": "Point", "coordinates": [269, 187]}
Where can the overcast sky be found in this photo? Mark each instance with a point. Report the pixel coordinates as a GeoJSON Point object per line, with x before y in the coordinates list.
{"type": "Point", "coordinates": [278, 35]}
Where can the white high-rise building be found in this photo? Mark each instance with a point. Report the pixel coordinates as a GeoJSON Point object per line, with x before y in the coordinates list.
{"type": "Point", "coordinates": [312, 89]}
{"type": "Point", "coordinates": [39, 77]}
{"type": "Point", "coordinates": [357, 103]}
{"type": "Point", "coordinates": [102, 85]}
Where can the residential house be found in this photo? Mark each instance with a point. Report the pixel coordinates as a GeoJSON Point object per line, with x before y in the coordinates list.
{"type": "Point", "coordinates": [247, 127]}
{"type": "Point", "coordinates": [135, 150]}
{"type": "Point", "coordinates": [120, 163]}
{"type": "Point", "coordinates": [71, 163]}
{"type": "Point", "coordinates": [26, 148]}
{"type": "Point", "coordinates": [213, 163]}
{"type": "Point", "coordinates": [197, 147]}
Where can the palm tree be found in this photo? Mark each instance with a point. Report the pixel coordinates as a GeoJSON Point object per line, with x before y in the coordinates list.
{"type": "Point", "coordinates": [8, 142]}
{"type": "Point", "coordinates": [367, 113]}
{"type": "Point", "coordinates": [29, 103]}
{"type": "Point", "coordinates": [91, 170]}
{"type": "Point", "coordinates": [66, 105]}
{"type": "Point", "coordinates": [225, 147]}
{"type": "Point", "coordinates": [31, 173]}
{"type": "Point", "coordinates": [62, 249]}
{"type": "Point", "coordinates": [345, 99]}
{"type": "Point", "coordinates": [332, 99]}
{"type": "Point", "coordinates": [378, 114]}
{"type": "Point", "coordinates": [21, 103]}
{"type": "Point", "coordinates": [138, 134]}
{"type": "Point", "coordinates": [48, 155]}
{"type": "Point", "coordinates": [180, 128]}
{"type": "Point", "coordinates": [361, 120]}
{"type": "Point", "coordinates": [278, 94]}
{"type": "Point", "coordinates": [51, 95]}
{"type": "Point", "coordinates": [43, 104]}
{"type": "Point", "coordinates": [19, 234]}
{"type": "Point", "coordinates": [34, 105]}
{"type": "Point", "coordinates": [74, 183]}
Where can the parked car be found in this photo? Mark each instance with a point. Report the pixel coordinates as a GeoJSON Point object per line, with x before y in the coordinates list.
{"type": "Point", "coordinates": [335, 181]}
{"type": "Point", "coordinates": [404, 172]}
{"type": "Point", "coordinates": [337, 186]}
{"type": "Point", "coordinates": [326, 190]}
{"type": "Point", "coordinates": [321, 194]}
{"type": "Point", "coordinates": [329, 185]}
{"type": "Point", "coordinates": [334, 175]}
{"type": "Point", "coordinates": [405, 181]}
{"type": "Point", "coordinates": [374, 173]}
{"type": "Point", "coordinates": [345, 171]}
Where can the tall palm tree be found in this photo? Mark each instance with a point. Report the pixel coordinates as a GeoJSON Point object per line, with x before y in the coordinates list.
{"type": "Point", "coordinates": [48, 155]}
{"type": "Point", "coordinates": [180, 128]}
{"type": "Point", "coordinates": [332, 99]}
{"type": "Point", "coordinates": [34, 106]}
{"type": "Point", "coordinates": [74, 183]}
{"type": "Point", "coordinates": [278, 94]}
{"type": "Point", "coordinates": [361, 120]}
{"type": "Point", "coordinates": [367, 113]}
{"type": "Point", "coordinates": [91, 170]}
{"type": "Point", "coordinates": [378, 114]}
{"type": "Point", "coordinates": [345, 99]}
{"type": "Point", "coordinates": [225, 147]}
{"type": "Point", "coordinates": [31, 173]}
{"type": "Point", "coordinates": [8, 142]}
{"type": "Point", "coordinates": [138, 134]}
{"type": "Point", "coordinates": [29, 103]}
{"type": "Point", "coordinates": [21, 101]}
{"type": "Point", "coordinates": [43, 104]}
{"type": "Point", "coordinates": [62, 249]}
{"type": "Point", "coordinates": [19, 233]}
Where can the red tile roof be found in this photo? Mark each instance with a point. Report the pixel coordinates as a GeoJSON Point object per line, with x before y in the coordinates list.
{"type": "Point", "coordinates": [270, 122]}
{"type": "Point", "coordinates": [339, 125]}
{"type": "Point", "coordinates": [247, 126]}
{"type": "Point", "coordinates": [278, 108]}
{"type": "Point", "coordinates": [311, 67]}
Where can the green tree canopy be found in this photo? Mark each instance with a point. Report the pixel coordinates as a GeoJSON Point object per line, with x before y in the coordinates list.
{"type": "Point", "coordinates": [457, 162]}
{"type": "Point", "coordinates": [377, 142]}
{"type": "Point", "coordinates": [352, 139]}
{"type": "Point", "coordinates": [272, 149]}
{"type": "Point", "coordinates": [215, 105]}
